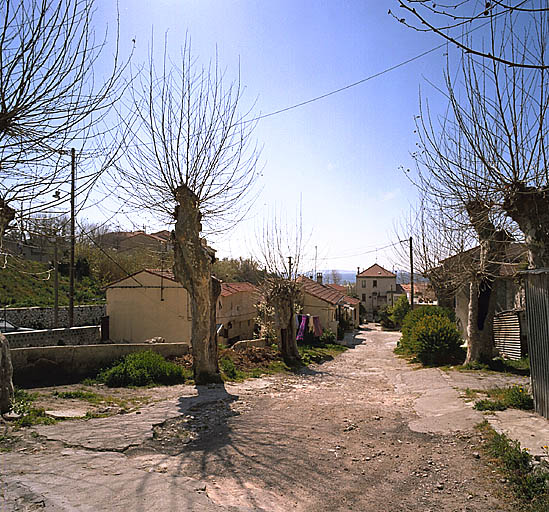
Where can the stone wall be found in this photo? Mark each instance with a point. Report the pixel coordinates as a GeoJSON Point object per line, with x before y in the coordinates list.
{"type": "Point", "coordinates": [239, 346]}
{"type": "Point", "coordinates": [42, 318]}
{"type": "Point", "coordinates": [50, 365]}
{"type": "Point", "coordinates": [89, 335]}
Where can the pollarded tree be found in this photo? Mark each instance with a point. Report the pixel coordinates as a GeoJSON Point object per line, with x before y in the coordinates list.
{"type": "Point", "coordinates": [190, 160]}
{"type": "Point", "coordinates": [281, 251]}
{"type": "Point", "coordinates": [51, 97]}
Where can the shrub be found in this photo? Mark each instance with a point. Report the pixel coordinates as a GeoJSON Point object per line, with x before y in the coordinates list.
{"type": "Point", "coordinates": [142, 369]}
{"type": "Point", "coordinates": [435, 340]}
{"type": "Point", "coordinates": [413, 317]}
{"type": "Point", "coordinates": [328, 337]}
{"type": "Point", "coordinates": [398, 312]}
{"type": "Point", "coordinates": [228, 368]}
{"type": "Point", "coordinates": [385, 318]}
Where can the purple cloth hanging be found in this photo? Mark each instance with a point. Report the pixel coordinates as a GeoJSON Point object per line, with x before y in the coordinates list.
{"type": "Point", "coordinates": [318, 328]}
{"type": "Point", "coordinates": [301, 330]}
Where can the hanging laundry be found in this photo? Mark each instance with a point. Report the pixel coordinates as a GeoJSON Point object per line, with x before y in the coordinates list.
{"type": "Point", "coordinates": [317, 326]}
{"type": "Point", "coordinates": [301, 330]}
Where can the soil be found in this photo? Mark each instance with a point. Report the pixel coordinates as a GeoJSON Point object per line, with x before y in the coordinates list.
{"type": "Point", "coordinates": [335, 437]}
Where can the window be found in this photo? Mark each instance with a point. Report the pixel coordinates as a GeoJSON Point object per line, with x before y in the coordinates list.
{"type": "Point", "coordinates": [363, 297]}
{"type": "Point", "coordinates": [363, 283]}
{"type": "Point", "coordinates": [374, 284]}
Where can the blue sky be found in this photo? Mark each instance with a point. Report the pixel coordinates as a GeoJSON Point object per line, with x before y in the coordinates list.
{"type": "Point", "coordinates": [338, 157]}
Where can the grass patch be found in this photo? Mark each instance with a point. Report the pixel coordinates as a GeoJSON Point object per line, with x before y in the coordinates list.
{"type": "Point", "coordinates": [515, 397]}
{"type": "Point", "coordinates": [319, 353]}
{"type": "Point", "coordinates": [34, 416]}
{"type": "Point", "coordinates": [499, 365]}
{"type": "Point", "coordinates": [529, 482]}
{"type": "Point", "coordinates": [92, 398]}
{"type": "Point", "coordinates": [21, 404]}
{"type": "Point", "coordinates": [143, 369]}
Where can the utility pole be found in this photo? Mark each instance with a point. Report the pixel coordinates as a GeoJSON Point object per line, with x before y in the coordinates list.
{"type": "Point", "coordinates": [316, 253]}
{"type": "Point", "coordinates": [73, 239]}
{"type": "Point", "coordinates": [411, 276]}
{"type": "Point", "coordinates": [55, 285]}
{"type": "Point", "coordinates": [289, 267]}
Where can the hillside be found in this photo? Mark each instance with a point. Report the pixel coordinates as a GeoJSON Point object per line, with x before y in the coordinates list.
{"type": "Point", "coordinates": [26, 283]}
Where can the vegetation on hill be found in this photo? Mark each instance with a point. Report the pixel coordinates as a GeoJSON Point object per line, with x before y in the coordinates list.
{"type": "Point", "coordinates": [27, 283]}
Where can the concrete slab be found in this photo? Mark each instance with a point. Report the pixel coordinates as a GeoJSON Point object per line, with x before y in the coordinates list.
{"type": "Point", "coordinates": [530, 429]}
{"type": "Point", "coordinates": [101, 481]}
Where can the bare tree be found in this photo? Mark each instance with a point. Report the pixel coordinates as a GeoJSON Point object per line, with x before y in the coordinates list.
{"type": "Point", "coordinates": [281, 251]}
{"type": "Point", "coordinates": [50, 97]}
{"type": "Point", "coordinates": [486, 163]}
{"type": "Point", "coordinates": [190, 159]}
{"type": "Point", "coordinates": [454, 21]}
{"type": "Point", "coordinates": [335, 277]}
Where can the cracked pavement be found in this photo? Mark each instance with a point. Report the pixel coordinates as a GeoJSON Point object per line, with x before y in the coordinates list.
{"type": "Point", "coordinates": [363, 432]}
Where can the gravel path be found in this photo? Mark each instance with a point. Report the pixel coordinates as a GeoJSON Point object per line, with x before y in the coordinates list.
{"type": "Point", "coordinates": [364, 432]}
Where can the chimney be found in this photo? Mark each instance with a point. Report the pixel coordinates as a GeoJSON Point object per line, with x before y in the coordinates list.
{"type": "Point", "coordinates": [319, 277]}
{"type": "Point", "coordinates": [357, 270]}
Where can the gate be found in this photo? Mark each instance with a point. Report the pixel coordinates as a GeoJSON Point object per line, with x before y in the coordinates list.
{"type": "Point", "coordinates": [537, 313]}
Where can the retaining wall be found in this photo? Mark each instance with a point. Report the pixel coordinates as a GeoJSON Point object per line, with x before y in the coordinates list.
{"type": "Point", "coordinates": [244, 344]}
{"type": "Point", "coordinates": [42, 318]}
{"type": "Point", "coordinates": [49, 365]}
{"type": "Point", "coordinates": [89, 335]}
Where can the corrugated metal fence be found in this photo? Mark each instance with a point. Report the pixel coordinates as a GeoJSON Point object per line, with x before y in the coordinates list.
{"type": "Point", "coordinates": [508, 334]}
{"type": "Point", "coordinates": [537, 312]}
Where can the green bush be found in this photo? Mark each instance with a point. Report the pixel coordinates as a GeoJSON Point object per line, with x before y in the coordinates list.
{"type": "Point", "coordinates": [435, 340]}
{"type": "Point", "coordinates": [413, 317]}
{"type": "Point", "coordinates": [385, 318]}
{"type": "Point", "coordinates": [228, 367]}
{"type": "Point", "coordinates": [328, 337]}
{"type": "Point", "coordinates": [142, 369]}
{"type": "Point", "coordinates": [398, 312]}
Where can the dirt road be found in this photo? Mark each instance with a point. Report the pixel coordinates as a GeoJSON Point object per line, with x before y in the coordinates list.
{"type": "Point", "coordinates": [364, 432]}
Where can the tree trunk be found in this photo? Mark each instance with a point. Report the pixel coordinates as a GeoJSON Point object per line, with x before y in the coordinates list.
{"type": "Point", "coordinates": [7, 214]}
{"type": "Point", "coordinates": [493, 247]}
{"type": "Point", "coordinates": [6, 373]}
{"type": "Point", "coordinates": [529, 208]}
{"type": "Point", "coordinates": [193, 261]}
{"type": "Point", "coordinates": [480, 319]}
{"type": "Point", "coordinates": [287, 344]}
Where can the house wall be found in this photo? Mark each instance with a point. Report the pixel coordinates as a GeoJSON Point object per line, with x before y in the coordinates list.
{"type": "Point", "coordinates": [137, 313]}
{"type": "Point", "coordinates": [508, 294]}
{"type": "Point", "coordinates": [366, 289]}
{"type": "Point", "coordinates": [324, 310]}
{"type": "Point", "coordinates": [239, 310]}
{"type": "Point", "coordinates": [462, 309]}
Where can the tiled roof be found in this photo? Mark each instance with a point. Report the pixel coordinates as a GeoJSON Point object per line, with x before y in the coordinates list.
{"type": "Point", "coordinates": [376, 271]}
{"type": "Point", "coordinates": [232, 288]}
{"type": "Point", "coordinates": [338, 287]}
{"type": "Point", "coordinates": [320, 291]}
{"type": "Point", "coordinates": [166, 274]}
{"type": "Point", "coordinates": [350, 300]}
